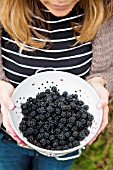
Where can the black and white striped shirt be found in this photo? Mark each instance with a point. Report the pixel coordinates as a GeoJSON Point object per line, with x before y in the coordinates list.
{"type": "Point", "coordinates": [62, 54]}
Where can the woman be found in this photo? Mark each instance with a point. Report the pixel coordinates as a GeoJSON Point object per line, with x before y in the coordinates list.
{"type": "Point", "coordinates": [46, 33]}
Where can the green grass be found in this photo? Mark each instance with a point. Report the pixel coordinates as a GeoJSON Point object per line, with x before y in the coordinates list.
{"type": "Point", "coordinates": [100, 154]}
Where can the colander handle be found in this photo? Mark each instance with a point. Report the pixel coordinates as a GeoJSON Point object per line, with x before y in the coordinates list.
{"type": "Point", "coordinates": [45, 69]}
{"type": "Point", "coordinates": [70, 157]}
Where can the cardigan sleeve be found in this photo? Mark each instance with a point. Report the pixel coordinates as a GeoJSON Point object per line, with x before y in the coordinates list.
{"type": "Point", "coordinates": [102, 59]}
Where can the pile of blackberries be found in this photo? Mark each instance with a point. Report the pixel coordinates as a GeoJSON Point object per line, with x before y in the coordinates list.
{"type": "Point", "coordinates": [55, 121]}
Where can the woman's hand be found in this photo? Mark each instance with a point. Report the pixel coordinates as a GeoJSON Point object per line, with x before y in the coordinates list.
{"type": "Point", "coordinates": [6, 103]}
{"type": "Point", "coordinates": [98, 84]}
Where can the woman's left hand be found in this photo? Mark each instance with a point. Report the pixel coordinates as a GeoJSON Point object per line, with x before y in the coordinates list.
{"type": "Point", "coordinates": [98, 84]}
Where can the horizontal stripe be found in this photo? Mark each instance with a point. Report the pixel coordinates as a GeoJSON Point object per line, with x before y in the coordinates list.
{"type": "Point", "coordinates": [15, 73]}
{"type": "Point", "coordinates": [80, 75]}
{"type": "Point", "coordinates": [53, 31]}
{"type": "Point", "coordinates": [37, 39]}
{"type": "Point", "coordinates": [46, 58]}
{"type": "Point", "coordinates": [61, 20]}
{"type": "Point", "coordinates": [57, 68]}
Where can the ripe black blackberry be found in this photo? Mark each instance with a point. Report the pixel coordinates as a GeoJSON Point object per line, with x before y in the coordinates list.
{"type": "Point", "coordinates": [55, 121]}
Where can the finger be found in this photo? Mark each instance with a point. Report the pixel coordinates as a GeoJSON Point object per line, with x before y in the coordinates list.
{"type": "Point", "coordinates": [104, 123]}
{"type": "Point", "coordinates": [15, 137]}
{"type": "Point", "coordinates": [105, 118]}
{"type": "Point", "coordinates": [89, 143]}
{"type": "Point", "coordinates": [104, 98]}
{"type": "Point", "coordinates": [7, 125]}
{"type": "Point", "coordinates": [8, 103]}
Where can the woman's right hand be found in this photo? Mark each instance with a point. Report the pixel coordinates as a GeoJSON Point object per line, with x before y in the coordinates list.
{"type": "Point", "coordinates": [6, 91]}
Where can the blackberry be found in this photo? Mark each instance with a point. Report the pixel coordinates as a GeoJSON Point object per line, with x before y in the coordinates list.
{"type": "Point", "coordinates": [35, 132]}
{"type": "Point", "coordinates": [61, 136]}
{"type": "Point", "coordinates": [54, 88]}
{"type": "Point", "coordinates": [30, 131]}
{"type": "Point", "coordinates": [42, 130]}
{"type": "Point", "coordinates": [62, 142]}
{"type": "Point", "coordinates": [42, 110]}
{"type": "Point", "coordinates": [76, 143]}
{"type": "Point", "coordinates": [74, 128]}
{"type": "Point", "coordinates": [22, 127]}
{"type": "Point", "coordinates": [63, 120]}
{"type": "Point", "coordinates": [63, 114]}
{"type": "Point", "coordinates": [75, 134]}
{"type": "Point", "coordinates": [67, 134]}
{"type": "Point", "coordinates": [81, 103]}
{"type": "Point", "coordinates": [75, 96]}
{"type": "Point", "coordinates": [25, 112]}
{"type": "Point", "coordinates": [65, 147]}
{"type": "Point", "coordinates": [23, 106]}
{"type": "Point", "coordinates": [65, 129]}
{"type": "Point", "coordinates": [39, 136]}
{"type": "Point", "coordinates": [86, 107]}
{"type": "Point", "coordinates": [68, 114]}
{"type": "Point", "coordinates": [55, 97]}
{"type": "Point", "coordinates": [31, 123]}
{"type": "Point", "coordinates": [32, 114]}
{"type": "Point", "coordinates": [43, 142]}
{"type": "Point", "coordinates": [87, 132]}
{"type": "Point", "coordinates": [57, 131]}
{"type": "Point", "coordinates": [46, 135]}
{"type": "Point", "coordinates": [55, 121]}
{"type": "Point", "coordinates": [50, 109]}
{"type": "Point", "coordinates": [42, 95]}
{"type": "Point", "coordinates": [29, 109]}
{"type": "Point", "coordinates": [51, 137]}
{"type": "Point", "coordinates": [69, 125]}
{"type": "Point", "coordinates": [72, 120]}
{"type": "Point", "coordinates": [40, 123]}
{"type": "Point", "coordinates": [47, 91]}
{"type": "Point", "coordinates": [30, 139]}
{"type": "Point", "coordinates": [83, 121]}
{"type": "Point", "coordinates": [43, 104]}
{"type": "Point", "coordinates": [73, 105]}
{"type": "Point", "coordinates": [33, 107]}
{"type": "Point", "coordinates": [79, 125]}
{"type": "Point", "coordinates": [64, 94]}
{"type": "Point", "coordinates": [82, 135]}
{"type": "Point", "coordinates": [89, 123]}
{"type": "Point", "coordinates": [60, 125]}
{"type": "Point", "coordinates": [55, 143]}
{"type": "Point", "coordinates": [42, 117]}
{"type": "Point", "coordinates": [77, 115]}
{"type": "Point", "coordinates": [46, 127]}
{"type": "Point", "coordinates": [37, 118]}
{"type": "Point", "coordinates": [90, 117]}
{"type": "Point", "coordinates": [64, 107]}
{"type": "Point", "coordinates": [83, 115]}
{"type": "Point", "coordinates": [47, 114]}
{"type": "Point", "coordinates": [70, 145]}
{"type": "Point", "coordinates": [69, 98]}
{"type": "Point", "coordinates": [30, 99]}
{"type": "Point", "coordinates": [71, 139]}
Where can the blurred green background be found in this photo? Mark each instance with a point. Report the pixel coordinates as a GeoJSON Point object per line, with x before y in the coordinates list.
{"type": "Point", "coordinates": [100, 154]}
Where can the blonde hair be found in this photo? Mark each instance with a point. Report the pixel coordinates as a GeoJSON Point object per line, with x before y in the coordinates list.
{"type": "Point", "coordinates": [17, 18]}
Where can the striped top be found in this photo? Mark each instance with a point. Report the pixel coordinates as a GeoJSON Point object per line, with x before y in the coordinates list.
{"type": "Point", "coordinates": [62, 55]}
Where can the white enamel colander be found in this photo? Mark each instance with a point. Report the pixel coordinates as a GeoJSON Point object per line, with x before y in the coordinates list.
{"type": "Point", "coordinates": [64, 82]}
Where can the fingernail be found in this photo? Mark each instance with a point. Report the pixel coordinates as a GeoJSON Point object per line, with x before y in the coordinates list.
{"type": "Point", "coordinates": [11, 107]}
{"type": "Point", "coordinates": [90, 143]}
{"type": "Point", "coordinates": [99, 132]}
{"type": "Point", "coordinates": [99, 106]}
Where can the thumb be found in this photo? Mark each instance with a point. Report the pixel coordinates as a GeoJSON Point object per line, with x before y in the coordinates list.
{"type": "Point", "coordinates": [8, 103]}
{"type": "Point", "coordinates": [11, 105]}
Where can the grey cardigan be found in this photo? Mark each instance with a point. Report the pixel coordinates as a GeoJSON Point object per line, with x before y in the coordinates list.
{"type": "Point", "coordinates": [102, 60]}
